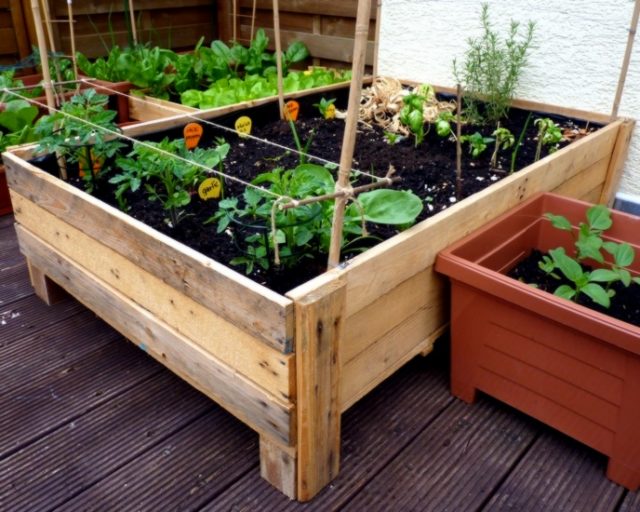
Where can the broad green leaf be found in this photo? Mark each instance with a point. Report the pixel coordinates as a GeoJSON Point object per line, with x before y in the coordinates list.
{"type": "Point", "coordinates": [309, 178]}
{"type": "Point", "coordinates": [559, 222]}
{"type": "Point", "coordinates": [296, 52]}
{"type": "Point", "coordinates": [624, 255]}
{"type": "Point", "coordinates": [565, 291]}
{"type": "Point", "coordinates": [568, 266]}
{"type": "Point", "coordinates": [385, 206]}
{"type": "Point", "coordinates": [625, 276]}
{"type": "Point", "coordinates": [599, 217]}
{"type": "Point", "coordinates": [604, 275]}
{"type": "Point", "coordinates": [597, 294]}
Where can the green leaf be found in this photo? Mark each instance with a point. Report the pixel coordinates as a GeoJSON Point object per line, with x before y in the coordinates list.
{"type": "Point", "coordinates": [599, 217]}
{"type": "Point", "coordinates": [559, 222]}
{"type": "Point", "coordinates": [604, 275]}
{"type": "Point", "coordinates": [303, 236]}
{"type": "Point", "coordinates": [385, 206]}
{"type": "Point", "coordinates": [624, 255]}
{"type": "Point", "coordinates": [568, 266]}
{"type": "Point", "coordinates": [597, 294]}
{"type": "Point", "coordinates": [296, 52]}
{"type": "Point", "coordinates": [565, 291]}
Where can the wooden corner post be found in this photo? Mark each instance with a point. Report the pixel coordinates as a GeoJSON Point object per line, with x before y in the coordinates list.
{"type": "Point", "coordinates": [319, 316]}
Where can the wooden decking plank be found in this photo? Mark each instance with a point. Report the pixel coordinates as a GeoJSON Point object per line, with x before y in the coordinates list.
{"type": "Point", "coordinates": [631, 502]}
{"type": "Point", "coordinates": [30, 314]}
{"type": "Point", "coordinates": [374, 431]}
{"type": "Point", "coordinates": [557, 473]}
{"type": "Point", "coordinates": [6, 220]}
{"type": "Point", "coordinates": [454, 463]}
{"type": "Point", "coordinates": [170, 477]}
{"type": "Point", "coordinates": [14, 283]}
{"type": "Point", "coordinates": [50, 400]}
{"type": "Point", "coordinates": [54, 469]}
{"type": "Point", "coordinates": [55, 349]}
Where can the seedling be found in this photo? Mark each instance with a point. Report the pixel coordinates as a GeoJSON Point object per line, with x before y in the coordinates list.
{"type": "Point", "coordinates": [478, 143]}
{"type": "Point", "coordinates": [392, 138]}
{"type": "Point", "coordinates": [443, 124]}
{"type": "Point", "coordinates": [549, 135]}
{"type": "Point", "coordinates": [303, 151]}
{"type": "Point", "coordinates": [504, 139]}
{"type": "Point", "coordinates": [325, 107]}
{"type": "Point", "coordinates": [589, 244]}
{"type": "Point", "coordinates": [516, 148]}
{"type": "Point", "coordinates": [412, 116]}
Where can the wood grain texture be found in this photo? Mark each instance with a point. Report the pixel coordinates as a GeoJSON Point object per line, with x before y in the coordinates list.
{"type": "Point", "coordinates": [278, 466]}
{"type": "Point", "coordinates": [219, 382]}
{"type": "Point", "coordinates": [206, 281]}
{"type": "Point", "coordinates": [616, 165]}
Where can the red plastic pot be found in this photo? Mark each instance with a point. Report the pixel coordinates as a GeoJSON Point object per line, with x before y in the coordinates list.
{"type": "Point", "coordinates": [573, 368]}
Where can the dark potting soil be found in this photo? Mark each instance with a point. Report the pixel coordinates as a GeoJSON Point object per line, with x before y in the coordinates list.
{"type": "Point", "coordinates": [428, 170]}
{"type": "Point", "coordinates": [625, 304]}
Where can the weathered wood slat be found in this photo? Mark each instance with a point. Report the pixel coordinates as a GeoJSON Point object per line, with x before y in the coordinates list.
{"type": "Point", "coordinates": [52, 470]}
{"type": "Point", "coordinates": [106, 6]}
{"type": "Point", "coordinates": [591, 178]}
{"type": "Point", "coordinates": [616, 164]}
{"type": "Point", "coordinates": [255, 309]}
{"type": "Point", "coordinates": [346, 8]}
{"type": "Point", "coordinates": [252, 358]}
{"type": "Point", "coordinates": [553, 459]}
{"type": "Point", "coordinates": [242, 398]}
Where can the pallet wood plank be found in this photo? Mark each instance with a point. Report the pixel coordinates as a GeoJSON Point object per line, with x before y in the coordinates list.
{"type": "Point", "coordinates": [213, 285]}
{"type": "Point", "coordinates": [278, 466]}
{"type": "Point", "coordinates": [557, 462]}
{"type": "Point", "coordinates": [616, 165]}
{"type": "Point", "coordinates": [252, 358]}
{"type": "Point", "coordinates": [325, 7]}
{"type": "Point", "coordinates": [241, 397]}
{"type": "Point", "coordinates": [592, 178]}
{"type": "Point", "coordinates": [90, 447]}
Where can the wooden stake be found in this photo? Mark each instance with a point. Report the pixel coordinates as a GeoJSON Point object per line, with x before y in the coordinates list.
{"type": "Point", "coordinates": [276, 34]}
{"type": "Point", "coordinates": [253, 18]}
{"type": "Point", "coordinates": [458, 143]}
{"type": "Point", "coordinates": [72, 35]}
{"type": "Point", "coordinates": [626, 60]}
{"type": "Point", "coordinates": [235, 19]}
{"type": "Point", "coordinates": [52, 43]}
{"type": "Point", "coordinates": [351, 123]}
{"type": "Point", "coordinates": [132, 17]}
{"type": "Point", "coordinates": [44, 56]}
{"type": "Point", "coordinates": [376, 43]}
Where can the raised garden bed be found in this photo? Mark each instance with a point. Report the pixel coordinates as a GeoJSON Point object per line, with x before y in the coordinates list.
{"type": "Point", "coordinates": [571, 367]}
{"type": "Point", "coordinates": [287, 364]}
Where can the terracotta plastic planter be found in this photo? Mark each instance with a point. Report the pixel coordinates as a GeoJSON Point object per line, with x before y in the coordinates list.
{"type": "Point", "coordinates": [571, 367]}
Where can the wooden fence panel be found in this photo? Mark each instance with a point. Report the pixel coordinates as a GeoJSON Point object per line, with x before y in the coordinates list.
{"type": "Point", "coordinates": [14, 41]}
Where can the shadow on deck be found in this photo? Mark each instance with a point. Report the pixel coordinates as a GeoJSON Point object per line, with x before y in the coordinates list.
{"type": "Point", "coordinates": [89, 422]}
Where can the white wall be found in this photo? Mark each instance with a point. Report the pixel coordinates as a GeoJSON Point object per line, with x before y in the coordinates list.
{"type": "Point", "coordinates": [580, 46]}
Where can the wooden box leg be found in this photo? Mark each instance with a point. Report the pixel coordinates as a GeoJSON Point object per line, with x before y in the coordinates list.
{"type": "Point", "coordinates": [319, 321]}
{"type": "Point", "coordinates": [44, 287]}
{"type": "Point", "coordinates": [278, 466]}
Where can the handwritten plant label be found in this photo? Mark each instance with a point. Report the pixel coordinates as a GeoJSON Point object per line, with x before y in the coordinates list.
{"type": "Point", "coordinates": [330, 112]}
{"type": "Point", "coordinates": [243, 126]}
{"type": "Point", "coordinates": [192, 134]}
{"type": "Point", "coordinates": [291, 110]}
{"type": "Point", "coordinates": [210, 189]}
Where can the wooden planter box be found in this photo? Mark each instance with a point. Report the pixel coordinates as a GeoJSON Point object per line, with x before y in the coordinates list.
{"type": "Point", "coordinates": [287, 365]}
{"type": "Point", "coordinates": [573, 368]}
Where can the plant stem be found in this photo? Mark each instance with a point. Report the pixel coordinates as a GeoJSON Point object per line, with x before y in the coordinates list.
{"type": "Point", "coordinates": [514, 153]}
{"type": "Point", "coordinates": [494, 156]}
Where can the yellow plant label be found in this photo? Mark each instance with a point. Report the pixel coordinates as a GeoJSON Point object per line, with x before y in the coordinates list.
{"type": "Point", "coordinates": [210, 189]}
{"type": "Point", "coordinates": [291, 110]}
{"type": "Point", "coordinates": [330, 113]}
{"type": "Point", "coordinates": [192, 134]}
{"type": "Point", "coordinates": [243, 126]}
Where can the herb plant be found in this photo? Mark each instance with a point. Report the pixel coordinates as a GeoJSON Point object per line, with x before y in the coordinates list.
{"type": "Point", "coordinates": [504, 139]}
{"type": "Point", "coordinates": [412, 116]}
{"type": "Point", "coordinates": [589, 244]}
{"type": "Point", "coordinates": [323, 106]}
{"type": "Point", "coordinates": [492, 69]}
{"type": "Point", "coordinates": [17, 123]}
{"type": "Point", "coordinates": [305, 231]}
{"type": "Point", "coordinates": [168, 180]}
{"type": "Point", "coordinates": [443, 124]}
{"type": "Point", "coordinates": [549, 135]}
{"type": "Point", "coordinates": [67, 133]}
{"type": "Point", "coordinates": [478, 143]}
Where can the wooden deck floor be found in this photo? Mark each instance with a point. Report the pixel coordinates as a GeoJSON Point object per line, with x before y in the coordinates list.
{"type": "Point", "coordinates": [89, 422]}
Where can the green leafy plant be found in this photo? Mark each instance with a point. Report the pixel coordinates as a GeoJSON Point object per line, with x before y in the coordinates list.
{"type": "Point", "coordinates": [492, 69]}
{"type": "Point", "coordinates": [67, 133]}
{"type": "Point", "coordinates": [171, 181]}
{"type": "Point", "coordinates": [323, 106]}
{"type": "Point", "coordinates": [518, 145]}
{"type": "Point", "coordinates": [478, 143]}
{"type": "Point", "coordinates": [589, 244]}
{"type": "Point", "coordinates": [549, 135]}
{"type": "Point", "coordinates": [303, 150]}
{"type": "Point", "coordinates": [412, 116]}
{"type": "Point", "coordinates": [305, 231]}
{"type": "Point", "coordinates": [8, 81]}
{"type": "Point", "coordinates": [443, 124]}
{"type": "Point", "coordinates": [504, 139]}
{"type": "Point", "coordinates": [17, 124]}
{"type": "Point", "coordinates": [392, 138]}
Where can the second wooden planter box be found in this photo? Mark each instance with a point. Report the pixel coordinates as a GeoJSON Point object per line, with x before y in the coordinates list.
{"type": "Point", "coordinates": [287, 365]}
{"type": "Point", "coordinates": [573, 368]}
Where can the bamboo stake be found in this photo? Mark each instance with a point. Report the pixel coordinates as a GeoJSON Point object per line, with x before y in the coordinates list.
{"type": "Point", "coordinates": [132, 18]}
{"type": "Point", "coordinates": [253, 18]}
{"type": "Point", "coordinates": [47, 19]}
{"type": "Point", "coordinates": [349, 140]}
{"type": "Point", "coordinates": [72, 35]}
{"type": "Point", "coordinates": [627, 58]}
{"type": "Point", "coordinates": [235, 19]}
{"type": "Point", "coordinates": [44, 56]}
{"type": "Point", "coordinates": [276, 34]}
{"type": "Point", "coordinates": [376, 43]}
{"type": "Point", "coordinates": [458, 143]}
